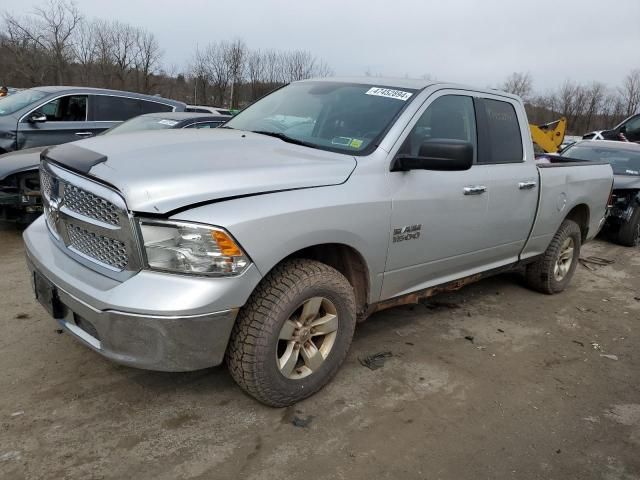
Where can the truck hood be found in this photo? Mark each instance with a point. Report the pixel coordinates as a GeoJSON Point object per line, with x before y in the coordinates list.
{"type": "Point", "coordinates": [162, 171]}
{"type": "Point", "coordinates": [626, 182]}
{"type": "Point", "coordinates": [20, 161]}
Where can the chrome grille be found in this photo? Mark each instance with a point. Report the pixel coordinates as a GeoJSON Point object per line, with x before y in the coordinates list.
{"type": "Point", "coordinates": [106, 250]}
{"type": "Point", "coordinates": [90, 205]}
{"type": "Point", "coordinates": [46, 182]}
{"type": "Point", "coordinates": [90, 221]}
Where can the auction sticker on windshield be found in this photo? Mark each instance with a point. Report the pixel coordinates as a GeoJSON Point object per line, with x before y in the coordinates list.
{"type": "Point", "coordinates": [170, 123]}
{"type": "Point", "coordinates": [389, 93]}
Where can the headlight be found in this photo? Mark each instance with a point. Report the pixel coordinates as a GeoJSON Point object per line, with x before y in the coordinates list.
{"type": "Point", "coordinates": [191, 248]}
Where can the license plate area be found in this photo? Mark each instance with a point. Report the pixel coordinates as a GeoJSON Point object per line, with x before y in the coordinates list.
{"type": "Point", "coordinates": [47, 295]}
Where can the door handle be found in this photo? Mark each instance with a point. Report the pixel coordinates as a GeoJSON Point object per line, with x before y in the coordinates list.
{"type": "Point", "coordinates": [527, 185]}
{"type": "Point", "coordinates": [475, 190]}
{"type": "Point", "coordinates": [84, 134]}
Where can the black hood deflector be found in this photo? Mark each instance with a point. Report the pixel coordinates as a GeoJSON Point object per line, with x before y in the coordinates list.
{"type": "Point", "coordinates": [72, 157]}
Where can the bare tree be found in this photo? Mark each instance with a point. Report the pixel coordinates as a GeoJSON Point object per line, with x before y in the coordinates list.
{"type": "Point", "coordinates": [29, 59]}
{"type": "Point", "coordinates": [200, 74]}
{"type": "Point", "coordinates": [595, 95]}
{"type": "Point", "coordinates": [630, 92]}
{"type": "Point", "coordinates": [146, 59]}
{"type": "Point", "coordinates": [85, 49]}
{"type": "Point", "coordinates": [218, 71]}
{"type": "Point", "coordinates": [256, 68]}
{"type": "Point", "coordinates": [298, 65]}
{"type": "Point", "coordinates": [49, 28]}
{"type": "Point", "coordinates": [123, 39]}
{"type": "Point", "coordinates": [519, 83]}
{"type": "Point", "coordinates": [104, 52]}
{"type": "Point", "coordinates": [235, 55]}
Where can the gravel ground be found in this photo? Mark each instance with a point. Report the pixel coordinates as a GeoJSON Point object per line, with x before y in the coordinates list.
{"type": "Point", "coordinates": [490, 382]}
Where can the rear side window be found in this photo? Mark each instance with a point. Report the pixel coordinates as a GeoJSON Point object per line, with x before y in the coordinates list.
{"type": "Point", "coordinates": [107, 108]}
{"type": "Point", "coordinates": [155, 107]}
{"type": "Point", "coordinates": [500, 131]}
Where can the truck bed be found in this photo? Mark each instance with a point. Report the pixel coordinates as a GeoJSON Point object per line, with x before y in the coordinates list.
{"type": "Point", "coordinates": [590, 186]}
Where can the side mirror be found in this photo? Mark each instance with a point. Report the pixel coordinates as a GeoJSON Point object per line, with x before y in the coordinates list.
{"type": "Point", "coordinates": [437, 154]}
{"type": "Point", "coordinates": [37, 117]}
{"type": "Point", "coordinates": [623, 129]}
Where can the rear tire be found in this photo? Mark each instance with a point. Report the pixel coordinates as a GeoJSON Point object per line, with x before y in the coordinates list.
{"type": "Point", "coordinates": [275, 343]}
{"type": "Point", "coordinates": [552, 272]}
{"type": "Point", "coordinates": [629, 233]}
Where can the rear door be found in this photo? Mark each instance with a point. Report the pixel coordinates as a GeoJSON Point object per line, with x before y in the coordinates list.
{"type": "Point", "coordinates": [66, 121]}
{"type": "Point", "coordinates": [511, 178]}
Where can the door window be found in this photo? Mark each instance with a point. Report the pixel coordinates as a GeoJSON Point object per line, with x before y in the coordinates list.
{"type": "Point", "coordinates": [72, 108]}
{"type": "Point", "coordinates": [500, 138]}
{"type": "Point", "coordinates": [450, 117]}
{"type": "Point", "coordinates": [115, 109]}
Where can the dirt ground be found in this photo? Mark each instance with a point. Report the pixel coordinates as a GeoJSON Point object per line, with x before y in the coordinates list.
{"type": "Point", "coordinates": [528, 394]}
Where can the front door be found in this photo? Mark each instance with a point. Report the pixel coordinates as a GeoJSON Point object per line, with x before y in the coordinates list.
{"type": "Point", "coordinates": [438, 221]}
{"type": "Point", "coordinates": [66, 121]}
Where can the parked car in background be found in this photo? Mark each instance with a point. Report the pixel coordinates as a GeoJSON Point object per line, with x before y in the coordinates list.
{"type": "Point", "coordinates": [206, 109]}
{"type": "Point", "coordinates": [54, 115]}
{"type": "Point", "coordinates": [267, 239]}
{"type": "Point", "coordinates": [623, 221]}
{"type": "Point", "coordinates": [626, 131]}
{"type": "Point", "coordinates": [20, 199]}
{"type": "Point", "coordinates": [568, 140]}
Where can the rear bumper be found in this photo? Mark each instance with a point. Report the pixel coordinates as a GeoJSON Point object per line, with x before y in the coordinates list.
{"type": "Point", "coordinates": [152, 320]}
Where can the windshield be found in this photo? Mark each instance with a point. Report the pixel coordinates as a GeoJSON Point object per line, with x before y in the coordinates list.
{"type": "Point", "coordinates": [623, 161]}
{"type": "Point", "coordinates": [333, 116]}
{"type": "Point", "coordinates": [19, 100]}
{"type": "Point", "coordinates": [142, 123]}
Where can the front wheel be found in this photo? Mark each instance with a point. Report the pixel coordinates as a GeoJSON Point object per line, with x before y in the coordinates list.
{"type": "Point", "coordinates": [293, 334]}
{"type": "Point", "coordinates": [552, 272]}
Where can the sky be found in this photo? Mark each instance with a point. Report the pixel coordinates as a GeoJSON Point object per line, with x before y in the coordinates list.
{"type": "Point", "coordinates": [465, 41]}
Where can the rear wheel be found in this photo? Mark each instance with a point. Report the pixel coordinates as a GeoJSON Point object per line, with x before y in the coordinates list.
{"type": "Point", "coordinates": [629, 233]}
{"type": "Point", "coordinates": [293, 334]}
{"type": "Point", "coordinates": [552, 272]}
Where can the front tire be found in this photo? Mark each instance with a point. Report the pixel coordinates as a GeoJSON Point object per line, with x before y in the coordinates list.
{"type": "Point", "coordinates": [629, 233]}
{"type": "Point", "coordinates": [293, 334]}
{"type": "Point", "coordinates": [552, 272]}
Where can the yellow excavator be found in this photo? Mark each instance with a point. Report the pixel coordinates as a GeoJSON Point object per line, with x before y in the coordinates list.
{"type": "Point", "coordinates": [549, 136]}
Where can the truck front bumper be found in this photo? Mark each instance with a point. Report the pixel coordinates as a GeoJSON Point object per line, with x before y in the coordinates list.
{"type": "Point", "coordinates": [152, 320]}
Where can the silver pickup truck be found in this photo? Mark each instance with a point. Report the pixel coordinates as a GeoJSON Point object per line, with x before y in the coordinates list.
{"type": "Point", "coordinates": [265, 241]}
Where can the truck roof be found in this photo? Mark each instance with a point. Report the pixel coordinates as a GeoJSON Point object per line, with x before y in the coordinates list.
{"type": "Point", "coordinates": [411, 83]}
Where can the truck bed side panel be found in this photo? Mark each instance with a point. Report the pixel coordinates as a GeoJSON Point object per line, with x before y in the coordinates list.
{"type": "Point", "coordinates": [562, 189]}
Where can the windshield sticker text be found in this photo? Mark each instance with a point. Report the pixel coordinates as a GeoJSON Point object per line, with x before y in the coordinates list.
{"type": "Point", "coordinates": [170, 123]}
{"type": "Point", "coordinates": [389, 93]}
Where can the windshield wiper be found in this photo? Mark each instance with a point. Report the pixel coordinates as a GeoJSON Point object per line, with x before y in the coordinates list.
{"type": "Point", "coordinates": [285, 138]}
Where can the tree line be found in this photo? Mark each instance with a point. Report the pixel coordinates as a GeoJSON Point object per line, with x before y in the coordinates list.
{"type": "Point", "coordinates": [56, 45]}
{"type": "Point", "coordinates": [587, 106]}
